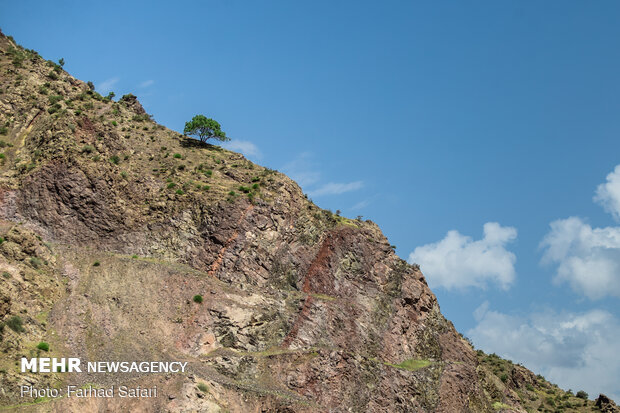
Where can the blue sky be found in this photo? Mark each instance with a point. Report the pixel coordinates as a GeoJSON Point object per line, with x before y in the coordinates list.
{"type": "Point", "coordinates": [430, 118]}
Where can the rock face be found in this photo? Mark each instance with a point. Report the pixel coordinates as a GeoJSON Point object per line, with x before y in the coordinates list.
{"type": "Point", "coordinates": [113, 225]}
{"type": "Point", "coordinates": [605, 404]}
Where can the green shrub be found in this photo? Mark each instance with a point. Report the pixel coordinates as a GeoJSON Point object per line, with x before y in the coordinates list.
{"type": "Point", "coordinates": [244, 189]}
{"type": "Point", "coordinates": [202, 387]}
{"type": "Point", "coordinates": [177, 156]}
{"type": "Point", "coordinates": [206, 187]}
{"type": "Point", "coordinates": [124, 175]}
{"type": "Point", "coordinates": [197, 299]}
{"type": "Point", "coordinates": [171, 185]}
{"type": "Point", "coordinates": [43, 346]}
{"type": "Point", "coordinates": [4, 130]}
{"type": "Point", "coordinates": [504, 377]}
{"type": "Point", "coordinates": [6, 274]}
{"type": "Point", "coordinates": [180, 192]}
{"type": "Point", "coordinates": [54, 99]}
{"type": "Point", "coordinates": [88, 149]}
{"type": "Point", "coordinates": [114, 123]}
{"type": "Point", "coordinates": [16, 324]}
{"type": "Point", "coordinates": [54, 108]}
{"type": "Point", "coordinates": [232, 193]}
{"type": "Point", "coordinates": [36, 262]}
{"type": "Point", "coordinates": [134, 256]}
{"type": "Point", "coordinates": [141, 118]}
{"type": "Point", "coordinates": [2, 156]}
{"type": "Point", "coordinates": [115, 159]}
{"type": "Point", "coordinates": [582, 395]}
{"type": "Point", "coordinates": [96, 264]}
{"type": "Point", "coordinates": [255, 186]}
{"type": "Point", "coordinates": [52, 75]}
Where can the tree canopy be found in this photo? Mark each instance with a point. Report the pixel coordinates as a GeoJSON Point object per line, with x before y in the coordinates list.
{"type": "Point", "coordinates": [205, 128]}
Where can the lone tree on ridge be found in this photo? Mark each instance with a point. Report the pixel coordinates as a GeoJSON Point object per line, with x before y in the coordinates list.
{"type": "Point", "coordinates": [205, 128]}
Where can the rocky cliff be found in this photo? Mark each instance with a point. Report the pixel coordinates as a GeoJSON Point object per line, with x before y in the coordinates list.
{"type": "Point", "coordinates": [123, 240]}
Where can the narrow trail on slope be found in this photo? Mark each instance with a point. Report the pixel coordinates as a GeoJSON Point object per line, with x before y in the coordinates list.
{"type": "Point", "coordinates": [315, 267]}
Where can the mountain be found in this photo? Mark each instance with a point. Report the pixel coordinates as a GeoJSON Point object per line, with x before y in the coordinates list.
{"type": "Point", "coordinates": [123, 240]}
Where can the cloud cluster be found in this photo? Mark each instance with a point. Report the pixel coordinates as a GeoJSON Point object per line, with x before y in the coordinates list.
{"type": "Point", "coordinates": [245, 147]}
{"type": "Point", "coordinates": [574, 350]}
{"type": "Point", "coordinates": [146, 83]}
{"type": "Point", "coordinates": [608, 194]}
{"type": "Point", "coordinates": [333, 188]}
{"type": "Point", "coordinates": [587, 258]}
{"type": "Point", "coordinates": [457, 261]}
{"type": "Point", "coordinates": [106, 86]}
{"type": "Point", "coordinates": [303, 169]}
{"type": "Point", "coordinates": [305, 172]}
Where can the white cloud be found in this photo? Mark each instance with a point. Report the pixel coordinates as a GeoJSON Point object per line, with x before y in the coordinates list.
{"type": "Point", "coordinates": [576, 351]}
{"type": "Point", "coordinates": [360, 205]}
{"type": "Point", "coordinates": [106, 86]}
{"type": "Point", "coordinates": [608, 194]}
{"type": "Point", "coordinates": [303, 169]}
{"type": "Point", "coordinates": [587, 258]}
{"type": "Point", "coordinates": [146, 83]}
{"type": "Point", "coordinates": [334, 188]}
{"type": "Point", "coordinates": [457, 261]}
{"type": "Point", "coordinates": [306, 172]}
{"type": "Point", "coordinates": [245, 147]}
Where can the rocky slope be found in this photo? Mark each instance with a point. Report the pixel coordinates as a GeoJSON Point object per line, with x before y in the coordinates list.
{"type": "Point", "coordinates": [111, 226]}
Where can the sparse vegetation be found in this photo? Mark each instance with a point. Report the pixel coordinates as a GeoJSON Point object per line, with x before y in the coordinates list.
{"type": "Point", "coordinates": [35, 262]}
{"type": "Point", "coordinates": [411, 364]}
{"type": "Point", "coordinates": [96, 264]}
{"type": "Point", "coordinates": [16, 324]}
